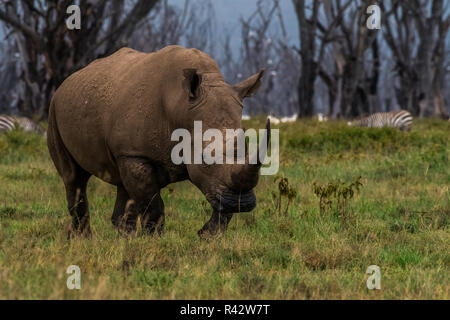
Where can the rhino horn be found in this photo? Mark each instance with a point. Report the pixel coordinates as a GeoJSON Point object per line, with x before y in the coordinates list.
{"type": "Point", "coordinates": [255, 160]}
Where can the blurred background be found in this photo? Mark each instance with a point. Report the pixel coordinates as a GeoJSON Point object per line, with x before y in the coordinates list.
{"type": "Point", "coordinates": [319, 56]}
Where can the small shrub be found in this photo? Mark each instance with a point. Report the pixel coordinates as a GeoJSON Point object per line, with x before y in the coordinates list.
{"type": "Point", "coordinates": [334, 197]}
{"type": "Point", "coordinates": [7, 211]}
{"type": "Point", "coordinates": [284, 191]}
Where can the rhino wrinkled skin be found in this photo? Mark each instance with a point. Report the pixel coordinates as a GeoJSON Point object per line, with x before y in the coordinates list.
{"type": "Point", "coordinates": [114, 120]}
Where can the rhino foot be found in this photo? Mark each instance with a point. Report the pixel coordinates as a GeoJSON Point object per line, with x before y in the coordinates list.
{"type": "Point", "coordinates": [130, 226]}
{"type": "Point", "coordinates": [76, 234]}
{"type": "Point", "coordinates": [216, 225]}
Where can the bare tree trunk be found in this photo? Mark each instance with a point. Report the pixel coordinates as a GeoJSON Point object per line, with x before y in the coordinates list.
{"type": "Point", "coordinates": [421, 76]}
{"type": "Point", "coordinates": [314, 39]}
{"type": "Point", "coordinates": [307, 30]}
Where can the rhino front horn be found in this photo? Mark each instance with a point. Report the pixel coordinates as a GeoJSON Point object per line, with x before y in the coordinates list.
{"type": "Point", "coordinates": [258, 160]}
{"type": "Point", "coordinates": [267, 133]}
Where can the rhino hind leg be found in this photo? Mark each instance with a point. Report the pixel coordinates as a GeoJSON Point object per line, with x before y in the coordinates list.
{"type": "Point", "coordinates": [138, 198]}
{"type": "Point", "coordinates": [75, 179]}
{"type": "Point", "coordinates": [120, 205]}
{"type": "Point", "coordinates": [154, 219]}
{"type": "Point", "coordinates": [78, 204]}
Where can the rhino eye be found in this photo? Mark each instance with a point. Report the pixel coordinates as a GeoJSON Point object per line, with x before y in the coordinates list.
{"type": "Point", "coordinates": [192, 83]}
{"type": "Point", "coordinates": [195, 84]}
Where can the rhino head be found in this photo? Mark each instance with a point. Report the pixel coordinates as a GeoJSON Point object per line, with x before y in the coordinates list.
{"type": "Point", "coordinates": [218, 105]}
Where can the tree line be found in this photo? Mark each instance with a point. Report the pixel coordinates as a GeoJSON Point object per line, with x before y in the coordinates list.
{"type": "Point", "coordinates": [337, 66]}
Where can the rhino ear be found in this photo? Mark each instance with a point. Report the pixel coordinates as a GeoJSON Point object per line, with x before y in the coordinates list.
{"type": "Point", "coordinates": [191, 83]}
{"type": "Point", "coordinates": [249, 87]}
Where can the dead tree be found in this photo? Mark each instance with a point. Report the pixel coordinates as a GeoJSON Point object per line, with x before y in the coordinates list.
{"type": "Point", "coordinates": [191, 25]}
{"type": "Point", "coordinates": [49, 52]}
{"type": "Point", "coordinates": [316, 34]}
{"type": "Point", "coordinates": [416, 32]}
{"type": "Point", "coordinates": [9, 76]}
{"type": "Point", "coordinates": [263, 46]}
{"type": "Point", "coordinates": [308, 30]}
{"type": "Point", "coordinates": [357, 39]}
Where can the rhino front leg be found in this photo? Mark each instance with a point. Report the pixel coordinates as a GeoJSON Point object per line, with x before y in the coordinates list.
{"type": "Point", "coordinates": [217, 223]}
{"type": "Point", "coordinates": [138, 198]}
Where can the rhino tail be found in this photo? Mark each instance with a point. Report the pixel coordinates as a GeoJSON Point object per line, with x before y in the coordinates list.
{"type": "Point", "coordinates": [63, 160]}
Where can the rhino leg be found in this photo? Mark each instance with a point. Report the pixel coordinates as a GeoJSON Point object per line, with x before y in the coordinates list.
{"type": "Point", "coordinates": [119, 208]}
{"type": "Point", "coordinates": [75, 179]}
{"type": "Point", "coordinates": [154, 219]}
{"type": "Point", "coordinates": [217, 223]}
{"type": "Point", "coordinates": [138, 198]}
{"type": "Point", "coordinates": [78, 204]}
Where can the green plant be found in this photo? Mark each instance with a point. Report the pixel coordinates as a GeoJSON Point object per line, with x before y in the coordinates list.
{"type": "Point", "coordinates": [334, 196]}
{"type": "Point", "coordinates": [284, 191]}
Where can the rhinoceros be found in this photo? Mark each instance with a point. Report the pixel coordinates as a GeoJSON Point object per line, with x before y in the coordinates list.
{"type": "Point", "coordinates": [114, 119]}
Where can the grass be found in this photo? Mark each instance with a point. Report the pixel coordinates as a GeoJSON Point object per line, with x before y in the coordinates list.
{"type": "Point", "coordinates": [399, 221]}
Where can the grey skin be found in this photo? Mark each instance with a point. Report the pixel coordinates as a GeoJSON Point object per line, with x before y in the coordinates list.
{"type": "Point", "coordinates": [114, 119]}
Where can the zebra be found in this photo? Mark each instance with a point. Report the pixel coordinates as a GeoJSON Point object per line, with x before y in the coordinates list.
{"type": "Point", "coordinates": [400, 119]}
{"type": "Point", "coordinates": [11, 122]}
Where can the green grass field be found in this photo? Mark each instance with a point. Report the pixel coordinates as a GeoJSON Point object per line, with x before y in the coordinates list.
{"type": "Point", "coordinates": [398, 220]}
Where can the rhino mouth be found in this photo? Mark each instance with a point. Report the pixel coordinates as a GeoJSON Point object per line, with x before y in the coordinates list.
{"type": "Point", "coordinates": [231, 202]}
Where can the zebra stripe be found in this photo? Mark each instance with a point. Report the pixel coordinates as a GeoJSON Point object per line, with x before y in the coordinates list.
{"type": "Point", "coordinates": [6, 123]}
{"type": "Point", "coordinates": [400, 119]}
{"type": "Point", "coordinates": [10, 123]}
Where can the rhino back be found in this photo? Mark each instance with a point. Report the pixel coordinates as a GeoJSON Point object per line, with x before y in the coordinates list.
{"type": "Point", "coordinates": [116, 106]}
